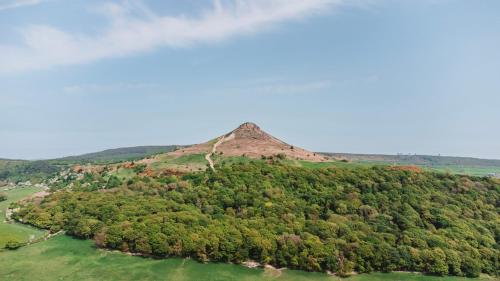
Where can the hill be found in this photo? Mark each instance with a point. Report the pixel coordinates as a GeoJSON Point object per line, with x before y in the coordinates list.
{"type": "Point", "coordinates": [118, 154]}
{"type": "Point", "coordinates": [246, 142]}
{"type": "Point", "coordinates": [23, 170]}
{"type": "Point", "coordinates": [250, 141]}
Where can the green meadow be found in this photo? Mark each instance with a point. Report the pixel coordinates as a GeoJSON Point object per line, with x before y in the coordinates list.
{"type": "Point", "coordinates": [190, 162]}
{"type": "Point", "coordinates": [15, 231]}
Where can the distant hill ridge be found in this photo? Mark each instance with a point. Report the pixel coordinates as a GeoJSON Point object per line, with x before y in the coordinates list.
{"type": "Point", "coordinates": [121, 154]}
{"type": "Point", "coordinates": [427, 160]}
{"type": "Point", "coordinates": [36, 170]}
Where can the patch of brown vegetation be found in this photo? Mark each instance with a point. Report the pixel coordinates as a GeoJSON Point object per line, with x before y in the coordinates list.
{"type": "Point", "coordinates": [410, 168]}
{"type": "Point", "coordinates": [77, 169]}
{"type": "Point", "coordinates": [128, 165]}
{"type": "Point", "coordinates": [172, 172]}
{"type": "Point", "coordinates": [148, 172]}
{"type": "Point", "coordinates": [88, 169]}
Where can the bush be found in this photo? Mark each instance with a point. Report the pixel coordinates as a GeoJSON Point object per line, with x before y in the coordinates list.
{"type": "Point", "coordinates": [113, 182]}
{"type": "Point", "coordinates": [140, 168]}
{"type": "Point", "coordinates": [471, 267]}
{"type": "Point", "coordinates": [13, 245]}
{"type": "Point", "coordinates": [3, 197]}
{"type": "Point", "coordinates": [281, 156]}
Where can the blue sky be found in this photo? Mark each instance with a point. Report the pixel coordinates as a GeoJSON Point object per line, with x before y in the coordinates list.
{"type": "Point", "coordinates": [362, 76]}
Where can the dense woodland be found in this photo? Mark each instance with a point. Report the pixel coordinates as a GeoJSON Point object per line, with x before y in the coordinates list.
{"type": "Point", "coordinates": [19, 170]}
{"type": "Point", "coordinates": [335, 219]}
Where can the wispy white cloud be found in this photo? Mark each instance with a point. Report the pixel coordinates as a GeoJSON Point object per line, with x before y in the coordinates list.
{"type": "Point", "coordinates": [85, 89]}
{"type": "Point", "coordinates": [6, 5]}
{"type": "Point", "coordinates": [134, 28]}
{"type": "Point", "coordinates": [281, 86]}
{"type": "Point", "coordinates": [293, 88]}
{"type": "Point", "coordinates": [276, 86]}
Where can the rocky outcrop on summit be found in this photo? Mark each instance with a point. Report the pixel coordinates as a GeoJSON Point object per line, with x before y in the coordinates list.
{"type": "Point", "coordinates": [250, 141]}
{"type": "Point", "coordinates": [250, 131]}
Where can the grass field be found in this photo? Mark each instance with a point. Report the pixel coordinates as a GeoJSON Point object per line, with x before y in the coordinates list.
{"type": "Point", "coordinates": [452, 169]}
{"type": "Point", "coordinates": [466, 170]}
{"type": "Point", "coordinates": [16, 231]}
{"type": "Point", "coordinates": [124, 173]}
{"type": "Point", "coordinates": [187, 163]}
{"type": "Point", "coordinates": [66, 258]}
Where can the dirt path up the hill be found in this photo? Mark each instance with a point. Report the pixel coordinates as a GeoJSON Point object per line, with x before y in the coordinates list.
{"type": "Point", "coordinates": [208, 157]}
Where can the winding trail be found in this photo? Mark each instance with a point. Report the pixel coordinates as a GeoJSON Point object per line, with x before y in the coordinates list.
{"type": "Point", "coordinates": [209, 155]}
{"type": "Point", "coordinates": [220, 140]}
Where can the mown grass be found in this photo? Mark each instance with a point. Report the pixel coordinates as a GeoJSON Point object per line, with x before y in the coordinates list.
{"type": "Point", "coordinates": [66, 258]}
{"type": "Point", "coordinates": [15, 231]}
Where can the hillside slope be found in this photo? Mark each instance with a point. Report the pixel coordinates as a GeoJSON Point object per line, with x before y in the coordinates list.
{"type": "Point", "coordinates": [38, 170]}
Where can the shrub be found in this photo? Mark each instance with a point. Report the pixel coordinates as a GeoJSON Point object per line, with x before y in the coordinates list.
{"type": "Point", "coordinates": [471, 267]}
{"type": "Point", "coordinates": [140, 168]}
{"type": "Point", "coordinates": [13, 245]}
